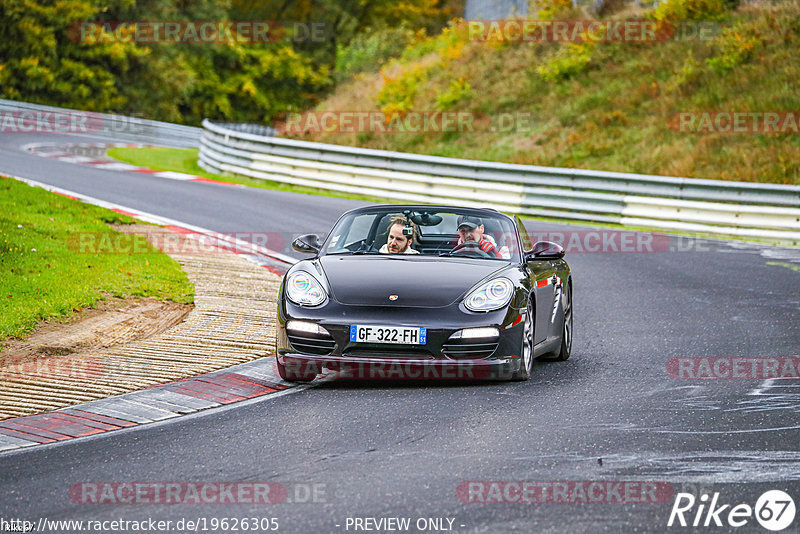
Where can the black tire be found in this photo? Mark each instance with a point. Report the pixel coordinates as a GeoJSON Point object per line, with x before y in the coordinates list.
{"type": "Point", "coordinates": [567, 332]}
{"type": "Point", "coordinates": [526, 363]}
{"type": "Point", "coordinates": [293, 375]}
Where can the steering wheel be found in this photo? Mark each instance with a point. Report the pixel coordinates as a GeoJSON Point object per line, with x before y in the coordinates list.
{"type": "Point", "coordinates": [363, 246]}
{"type": "Point", "coordinates": [470, 246]}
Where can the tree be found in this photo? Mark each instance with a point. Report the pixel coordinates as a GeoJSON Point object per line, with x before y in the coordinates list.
{"type": "Point", "coordinates": [45, 62]}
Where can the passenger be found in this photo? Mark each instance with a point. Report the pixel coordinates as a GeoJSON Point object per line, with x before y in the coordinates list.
{"type": "Point", "coordinates": [471, 229]}
{"type": "Point", "coordinates": [398, 242]}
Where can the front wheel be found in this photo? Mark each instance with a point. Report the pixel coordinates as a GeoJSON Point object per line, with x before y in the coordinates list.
{"type": "Point", "coordinates": [526, 365]}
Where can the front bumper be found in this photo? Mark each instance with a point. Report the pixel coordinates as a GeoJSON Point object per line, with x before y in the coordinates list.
{"type": "Point", "coordinates": [366, 368]}
{"type": "Point", "coordinates": [439, 358]}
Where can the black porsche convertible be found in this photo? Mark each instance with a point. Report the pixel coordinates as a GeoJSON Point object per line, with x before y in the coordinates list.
{"type": "Point", "coordinates": [424, 292]}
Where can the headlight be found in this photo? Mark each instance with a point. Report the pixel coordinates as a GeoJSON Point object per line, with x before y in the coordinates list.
{"type": "Point", "coordinates": [304, 290]}
{"type": "Point", "coordinates": [492, 295]}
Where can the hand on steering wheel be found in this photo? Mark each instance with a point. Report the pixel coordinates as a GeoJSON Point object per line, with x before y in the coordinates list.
{"type": "Point", "coordinates": [473, 246]}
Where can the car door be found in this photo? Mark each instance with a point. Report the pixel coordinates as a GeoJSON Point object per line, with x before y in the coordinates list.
{"type": "Point", "coordinates": [543, 280]}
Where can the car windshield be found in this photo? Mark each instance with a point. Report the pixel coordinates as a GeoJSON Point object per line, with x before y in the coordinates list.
{"type": "Point", "coordinates": [418, 232]}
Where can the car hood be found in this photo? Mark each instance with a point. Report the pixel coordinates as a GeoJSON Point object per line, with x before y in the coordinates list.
{"type": "Point", "coordinates": [428, 282]}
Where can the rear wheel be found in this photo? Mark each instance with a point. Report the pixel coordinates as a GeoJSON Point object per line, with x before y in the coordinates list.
{"type": "Point", "coordinates": [565, 349]}
{"type": "Point", "coordinates": [526, 364]}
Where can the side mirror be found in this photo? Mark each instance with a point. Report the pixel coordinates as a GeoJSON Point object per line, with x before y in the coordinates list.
{"type": "Point", "coordinates": [307, 244]}
{"type": "Point", "coordinates": [545, 250]}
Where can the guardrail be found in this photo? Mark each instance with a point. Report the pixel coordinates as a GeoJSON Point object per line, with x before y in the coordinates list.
{"type": "Point", "coordinates": [764, 211]}
{"type": "Point", "coordinates": [24, 117]}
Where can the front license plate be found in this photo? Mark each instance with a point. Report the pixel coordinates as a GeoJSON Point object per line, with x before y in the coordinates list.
{"type": "Point", "coordinates": [402, 335]}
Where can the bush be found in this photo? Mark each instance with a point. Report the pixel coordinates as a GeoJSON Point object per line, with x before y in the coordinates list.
{"type": "Point", "coordinates": [680, 10]}
{"type": "Point", "coordinates": [397, 94]}
{"type": "Point", "coordinates": [453, 37]}
{"type": "Point", "coordinates": [735, 47]}
{"type": "Point", "coordinates": [372, 49]}
{"type": "Point", "coordinates": [553, 9]}
{"type": "Point", "coordinates": [572, 59]}
{"type": "Point", "coordinates": [459, 90]}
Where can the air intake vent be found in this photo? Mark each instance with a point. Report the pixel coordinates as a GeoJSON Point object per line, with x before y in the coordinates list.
{"type": "Point", "coordinates": [390, 352]}
{"type": "Point", "coordinates": [311, 344]}
{"type": "Point", "coordinates": [461, 350]}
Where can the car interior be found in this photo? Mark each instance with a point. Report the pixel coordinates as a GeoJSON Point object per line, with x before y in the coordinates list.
{"type": "Point", "coordinates": [435, 233]}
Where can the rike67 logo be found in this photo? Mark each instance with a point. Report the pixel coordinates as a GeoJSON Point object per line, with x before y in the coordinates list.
{"type": "Point", "coordinates": [774, 510]}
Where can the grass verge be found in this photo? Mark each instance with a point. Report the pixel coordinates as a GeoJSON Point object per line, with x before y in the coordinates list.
{"type": "Point", "coordinates": [45, 274]}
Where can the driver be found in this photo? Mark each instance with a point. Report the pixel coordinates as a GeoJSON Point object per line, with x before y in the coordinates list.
{"type": "Point", "coordinates": [398, 242]}
{"type": "Point", "coordinates": [470, 229]}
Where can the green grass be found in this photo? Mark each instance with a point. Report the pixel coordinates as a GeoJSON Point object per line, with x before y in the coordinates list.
{"type": "Point", "coordinates": [185, 160]}
{"type": "Point", "coordinates": [44, 274]}
{"type": "Point", "coordinates": [159, 158]}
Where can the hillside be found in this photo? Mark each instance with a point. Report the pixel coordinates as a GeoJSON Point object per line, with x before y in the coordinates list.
{"type": "Point", "coordinates": [611, 104]}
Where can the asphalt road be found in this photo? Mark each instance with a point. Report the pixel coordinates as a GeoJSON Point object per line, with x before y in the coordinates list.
{"type": "Point", "coordinates": [610, 413]}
